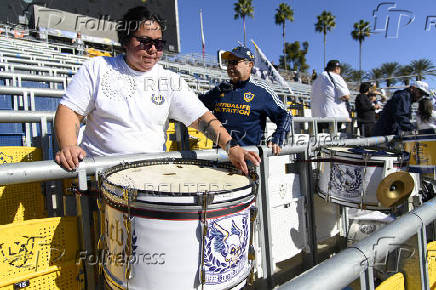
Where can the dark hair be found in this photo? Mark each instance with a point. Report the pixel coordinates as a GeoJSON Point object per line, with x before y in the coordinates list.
{"type": "Point", "coordinates": [132, 20]}
{"type": "Point", "coordinates": [364, 87]}
{"type": "Point", "coordinates": [425, 109]}
{"type": "Point", "coordinates": [332, 64]}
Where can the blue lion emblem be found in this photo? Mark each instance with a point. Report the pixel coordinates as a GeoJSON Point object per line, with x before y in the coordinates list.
{"type": "Point", "coordinates": [225, 252]}
{"type": "Point", "coordinates": [228, 244]}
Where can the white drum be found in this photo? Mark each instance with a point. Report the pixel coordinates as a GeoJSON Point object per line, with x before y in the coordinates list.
{"type": "Point", "coordinates": [350, 175]}
{"type": "Point", "coordinates": [176, 224]}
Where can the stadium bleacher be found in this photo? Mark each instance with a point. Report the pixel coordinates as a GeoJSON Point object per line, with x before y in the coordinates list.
{"type": "Point", "coordinates": [34, 75]}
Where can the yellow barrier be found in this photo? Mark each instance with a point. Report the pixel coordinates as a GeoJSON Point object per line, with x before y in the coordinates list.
{"type": "Point", "coordinates": [431, 262]}
{"type": "Point", "coordinates": [22, 201]}
{"type": "Point", "coordinates": [92, 52]}
{"type": "Point", "coordinates": [197, 140]}
{"type": "Point", "coordinates": [35, 246]}
{"type": "Point", "coordinates": [395, 282]}
{"type": "Point", "coordinates": [63, 277]}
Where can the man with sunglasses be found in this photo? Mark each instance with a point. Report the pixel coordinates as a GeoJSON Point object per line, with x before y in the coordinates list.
{"type": "Point", "coordinates": [129, 99]}
{"type": "Point", "coordinates": [243, 104]}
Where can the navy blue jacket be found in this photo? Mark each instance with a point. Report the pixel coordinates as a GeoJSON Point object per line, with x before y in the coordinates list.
{"type": "Point", "coordinates": [243, 108]}
{"type": "Point", "coordinates": [396, 115]}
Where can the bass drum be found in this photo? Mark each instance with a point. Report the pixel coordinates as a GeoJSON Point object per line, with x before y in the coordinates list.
{"type": "Point", "coordinates": [350, 175]}
{"type": "Point", "coordinates": [176, 224]}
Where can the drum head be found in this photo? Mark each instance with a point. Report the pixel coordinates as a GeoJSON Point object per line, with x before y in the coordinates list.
{"type": "Point", "coordinates": [175, 182]}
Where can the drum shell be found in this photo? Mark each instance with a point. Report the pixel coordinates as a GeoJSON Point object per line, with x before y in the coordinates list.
{"type": "Point", "coordinates": [166, 235]}
{"type": "Point", "coordinates": [348, 179]}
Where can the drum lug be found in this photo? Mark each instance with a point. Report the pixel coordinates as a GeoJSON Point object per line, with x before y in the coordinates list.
{"type": "Point", "coordinates": [206, 195]}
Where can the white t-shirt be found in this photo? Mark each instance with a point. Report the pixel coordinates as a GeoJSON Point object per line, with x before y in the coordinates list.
{"type": "Point", "coordinates": [128, 111]}
{"type": "Point", "coordinates": [325, 98]}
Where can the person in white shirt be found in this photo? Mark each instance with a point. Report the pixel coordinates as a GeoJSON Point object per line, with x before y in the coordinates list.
{"type": "Point", "coordinates": [425, 116]}
{"type": "Point", "coordinates": [129, 99]}
{"type": "Point", "coordinates": [78, 42]}
{"type": "Point", "coordinates": [329, 94]}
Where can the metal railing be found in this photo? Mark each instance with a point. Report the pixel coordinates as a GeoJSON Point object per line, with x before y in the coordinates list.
{"type": "Point", "coordinates": [359, 259]}
{"type": "Point", "coordinates": [49, 170]}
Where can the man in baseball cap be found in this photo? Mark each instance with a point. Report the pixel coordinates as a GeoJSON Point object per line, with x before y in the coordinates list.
{"type": "Point", "coordinates": [396, 115]}
{"type": "Point", "coordinates": [243, 104]}
{"type": "Point", "coordinates": [239, 52]}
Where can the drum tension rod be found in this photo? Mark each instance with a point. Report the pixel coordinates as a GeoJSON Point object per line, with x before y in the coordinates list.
{"type": "Point", "coordinates": [251, 250]}
{"type": "Point", "coordinates": [204, 200]}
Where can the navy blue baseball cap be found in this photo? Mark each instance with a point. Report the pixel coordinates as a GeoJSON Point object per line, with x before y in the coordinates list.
{"type": "Point", "coordinates": [240, 52]}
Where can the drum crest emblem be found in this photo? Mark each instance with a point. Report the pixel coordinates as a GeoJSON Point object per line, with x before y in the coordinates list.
{"type": "Point", "coordinates": [226, 248]}
{"type": "Point", "coordinates": [157, 99]}
{"type": "Point", "coordinates": [346, 180]}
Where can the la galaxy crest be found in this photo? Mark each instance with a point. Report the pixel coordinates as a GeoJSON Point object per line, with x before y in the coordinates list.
{"type": "Point", "coordinates": [248, 97]}
{"type": "Point", "coordinates": [157, 99]}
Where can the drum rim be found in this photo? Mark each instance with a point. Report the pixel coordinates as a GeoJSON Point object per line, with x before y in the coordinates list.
{"type": "Point", "coordinates": [348, 203]}
{"type": "Point", "coordinates": [373, 161]}
{"type": "Point", "coordinates": [253, 177]}
{"type": "Point", "coordinates": [171, 207]}
{"type": "Point", "coordinates": [328, 149]}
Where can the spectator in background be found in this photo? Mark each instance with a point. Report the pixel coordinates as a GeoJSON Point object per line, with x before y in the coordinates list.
{"type": "Point", "coordinates": [243, 104]}
{"type": "Point", "coordinates": [396, 114]}
{"type": "Point", "coordinates": [365, 109]}
{"type": "Point", "coordinates": [329, 94]}
{"type": "Point", "coordinates": [78, 42]}
{"type": "Point", "coordinates": [425, 116]}
{"type": "Point", "coordinates": [314, 75]}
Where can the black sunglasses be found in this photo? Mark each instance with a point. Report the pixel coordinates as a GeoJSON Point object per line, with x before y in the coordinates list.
{"type": "Point", "coordinates": [234, 61]}
{"type": "Point", "coordinates": [147, 42]}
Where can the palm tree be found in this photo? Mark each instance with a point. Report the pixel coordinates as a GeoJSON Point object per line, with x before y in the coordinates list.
{"type": "Point", "coordinates": [284, 12]}
{"type": "Point", "coordinates": [358, 75]}
{"type": "Point", "coordinates": [405, 71]}
{"type": "Point", "coordinates": [326, 22]}
{"type": "Point", "coordinates": [242, 9]}
{"type": "Point", "coordinates": [375, 74]}
{"type": "Point", "coordinates": [360, 32]}
{"type": "Point", "coordinates": [346, 71]}
{"type": "Point", "coordinates": [422, 67]}
{"type": "Point", "coordinates": [390, 70]}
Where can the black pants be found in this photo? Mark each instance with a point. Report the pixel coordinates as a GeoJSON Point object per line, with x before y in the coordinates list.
{"type": "Point", "coordinates": [366, 129]}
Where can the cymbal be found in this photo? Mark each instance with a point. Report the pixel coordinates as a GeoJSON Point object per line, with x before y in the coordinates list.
{"type": "Point", "coordinates": [395, 188]}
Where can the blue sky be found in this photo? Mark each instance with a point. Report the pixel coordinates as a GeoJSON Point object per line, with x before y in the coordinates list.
{"type": "Point", "coordinates": [223, 32]}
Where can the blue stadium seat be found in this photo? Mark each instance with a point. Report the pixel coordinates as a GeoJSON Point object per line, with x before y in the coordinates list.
{"type": "Point", "coordinates": [11, 128]}
{"type": "Point", "coordinates": [6, 102]}
{"type": "Point", "coordinates": [11, 139]}
{"type": "Point", "coordinates": [46, 103]}
{"type": "Point", "coordinates": [32, 84]}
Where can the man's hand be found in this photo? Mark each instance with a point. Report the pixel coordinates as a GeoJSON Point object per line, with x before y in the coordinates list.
{"type": "Point", "coordinates": [238, 156]}
{"type": "Point", "coordinates": [70, 156]}
{"type": "Point", "coordinates": [276, 149]}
